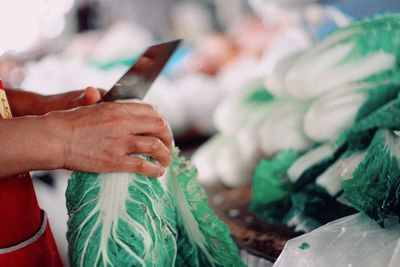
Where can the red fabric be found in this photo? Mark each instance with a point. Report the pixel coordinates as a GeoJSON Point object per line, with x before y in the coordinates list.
{"type": "Point", "coordinates": [20, 219]}
{"type": "Point", "coordinates": [42, 253]}
{"type": "Point", "coordinates": [19, 210]}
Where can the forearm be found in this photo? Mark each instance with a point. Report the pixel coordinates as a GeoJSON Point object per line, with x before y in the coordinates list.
{"type": "Point", "coordinates": [28, 143]}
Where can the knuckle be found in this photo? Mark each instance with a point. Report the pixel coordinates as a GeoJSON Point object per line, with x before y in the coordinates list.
{"type": "Point", "coordinates": [155, 144]}
{"type": "Point", "coordinates": [140, 166]}
{"type": "Point", "coordinates": [133, 147]}
{"type": "Point", "coordinates": [160, 122]}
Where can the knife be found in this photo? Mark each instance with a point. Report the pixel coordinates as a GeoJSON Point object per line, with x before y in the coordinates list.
{"type": "Point", "coordinates": [136, 82]}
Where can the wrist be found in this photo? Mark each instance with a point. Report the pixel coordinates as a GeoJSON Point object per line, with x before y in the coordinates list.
{"type": "Point", "coordinates": [56, 132]}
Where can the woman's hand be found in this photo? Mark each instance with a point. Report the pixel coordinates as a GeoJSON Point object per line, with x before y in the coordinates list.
{"type": "Point", "coordinates": [95, 138]}
{"type": "Point", "coordinates": [100, 138]}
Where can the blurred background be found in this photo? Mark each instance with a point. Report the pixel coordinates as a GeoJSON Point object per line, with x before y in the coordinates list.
{"type": "Point", "coordinates": [52, 46]}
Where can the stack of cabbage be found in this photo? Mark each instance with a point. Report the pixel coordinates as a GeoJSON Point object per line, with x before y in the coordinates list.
{"type": "Point", "coordinates": [126, 219]}
{"type": "Point", "coordinates": [332, 115]}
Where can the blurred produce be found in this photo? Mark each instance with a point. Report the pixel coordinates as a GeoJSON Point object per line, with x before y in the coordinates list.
{"type": "Point", "coordinates": [213, 52]}
{"type": "Point", "coordinates": [322, 125]}
{"type": "Point", "coordinates": [355, 113]}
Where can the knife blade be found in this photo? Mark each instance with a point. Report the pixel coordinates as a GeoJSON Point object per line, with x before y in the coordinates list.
{"type": "Point", "coordinates": [136, 82]}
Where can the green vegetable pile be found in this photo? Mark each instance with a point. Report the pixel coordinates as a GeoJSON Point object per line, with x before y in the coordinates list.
{"type": "Point", "coordinates": [350, 84]}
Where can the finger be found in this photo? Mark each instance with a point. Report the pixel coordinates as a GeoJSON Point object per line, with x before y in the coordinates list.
{"type": "Point", "coordinates": [152, 126]}
{"type": "Point", "coordinates": [149, 146]}
{"type": "Point", "coordinates": [142, 166]}
{"type": "Point", "coordinates": [91, 96]}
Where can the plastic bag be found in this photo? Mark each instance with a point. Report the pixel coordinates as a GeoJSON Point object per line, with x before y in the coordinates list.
{"type": "Point", "coordinates": [355, 241]}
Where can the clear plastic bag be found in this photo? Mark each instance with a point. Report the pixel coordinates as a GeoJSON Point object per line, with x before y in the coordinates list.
{"type": "Point", "coordinates": [353, 241]}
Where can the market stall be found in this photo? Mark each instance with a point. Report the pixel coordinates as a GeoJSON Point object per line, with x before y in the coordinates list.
{"type": "Point", "coordinates": [285, 116]}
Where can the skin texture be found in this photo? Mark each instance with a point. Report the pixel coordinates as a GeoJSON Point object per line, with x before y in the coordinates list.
{"type": "Point", "coordinates": [70, 131]}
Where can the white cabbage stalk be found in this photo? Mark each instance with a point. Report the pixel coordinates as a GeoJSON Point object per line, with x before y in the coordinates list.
{"type": "Point", "coordinates": [204, 159]}
{"type": "Point", "coordinates": [247, 138]}
{"type": "Point", "coordinates": [233, 111]}
{"type": "Point", "coordinates": [275, 82]}
{"type": "Point", "coordinates": [309, 159]}
{"type": "Point", "coordinates": [328, 116]}
{"type": "Point", "coordinates": [341, 170]}
{"type": "Point", "coordinates": [230, 166]}
{"type": "Point", "coordinates": [282, 129]}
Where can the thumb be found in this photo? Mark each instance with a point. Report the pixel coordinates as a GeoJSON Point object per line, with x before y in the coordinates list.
{"type": "Point", "coordinates": [90, 96]}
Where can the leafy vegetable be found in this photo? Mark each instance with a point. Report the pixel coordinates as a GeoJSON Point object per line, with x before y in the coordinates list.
{"type": "Point", "coordinates": [129, 220]}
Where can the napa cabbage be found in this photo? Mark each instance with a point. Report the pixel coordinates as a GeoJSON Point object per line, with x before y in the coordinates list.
{"type": "Point", "coordinates": [125, 219]}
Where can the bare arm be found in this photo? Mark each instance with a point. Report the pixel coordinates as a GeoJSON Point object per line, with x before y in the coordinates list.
{"type": "Point", "coordinates": [28, 143]}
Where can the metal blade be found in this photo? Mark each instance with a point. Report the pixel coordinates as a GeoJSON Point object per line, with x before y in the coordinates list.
{"type": "Point", "coordinates": [138, 79]}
